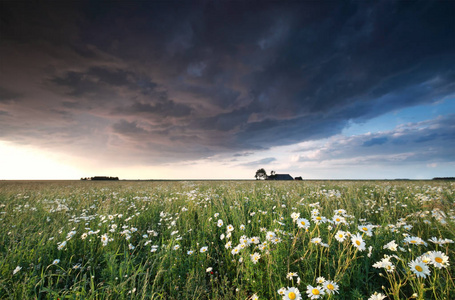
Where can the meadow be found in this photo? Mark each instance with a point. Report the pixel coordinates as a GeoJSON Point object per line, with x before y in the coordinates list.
{"type": "Point", "coordinates": [227, 240]}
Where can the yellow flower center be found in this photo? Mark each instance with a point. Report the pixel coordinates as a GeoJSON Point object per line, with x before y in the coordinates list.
{"type": "Point", "coordinates": [438, 260]}
{"type": "Point", "coordinates": [365, 229]}
{"type": "Point", "coordinates": [318, 218]}
{"type": "Point", "coordinates": [340, 235]}
{"type": "Point", "coordinates": [419, 268]}
{"type": "Point", "coordinates": [358, 243]}
{"type": "Point", "coordinates": [413, 242]}
{"type": "Point", "coordinates": [303, 223]}
{"type": "Point", "coordinates": [330, 286]}
{"type": "Point", "coordinates": [315, 291]}
{"type": "Point", "coordinates": [338, 220]}
{"type": "Point", "coordinates": [292, 295]}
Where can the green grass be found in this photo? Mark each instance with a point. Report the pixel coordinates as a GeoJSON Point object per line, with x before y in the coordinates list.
{"type": "Point", "coordinates": [173, 218]}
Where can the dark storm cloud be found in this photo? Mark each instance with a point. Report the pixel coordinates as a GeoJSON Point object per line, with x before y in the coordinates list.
{"type": "Point", "coordinates": [196, 79]}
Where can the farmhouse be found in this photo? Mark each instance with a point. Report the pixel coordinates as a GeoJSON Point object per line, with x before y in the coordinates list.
{"type": "Point", "coordinates": [280, 177]}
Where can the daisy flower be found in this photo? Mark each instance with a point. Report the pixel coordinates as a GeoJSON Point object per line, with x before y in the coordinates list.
{"type": "Point", "coordinates": [303, 223]}
{"type": "Point", "coordinates": [367, 229]}
{"type": "Point", "coordinates": [219, 223]}
{"type": "Point", "coordinates": [392, 246]}
{"type": "Point", "coordinates": [61, 245]}
{"type": "Point", "coordinates": [204, 249]}
{"type": "Point", "coordinates": [242, 227]}
{"type": "Point", "coordinates": [17, 270]}
{"type": "Point", "coordinates": [330, 287]}
{"type": "Point", "coordinates": [358, 242]}
{"type": "Point", "coordinates": [56, 261]}
{"type": "Point", "coordinates": [340, 236]}
{"type": "Point", "coordinates": [270, 235]}
{"type": "Point", "coordinates": [282, 291]}
{"type": "Point", "coordinates": [228, 245]}
{"type": "Point", "coordinates": [291, 274]}
{"type": "Point", "coordinates": [176, 247]}
{"type": "Point", "coordinates": [229, 228]}
{"type": "Point", "coordinates": [255, 257]}
{"type": "Point", "coordinates": [314, 292]}
{"type": "Point", "coordinates": [419, 268]}
{"type": "Point", "coordinates": [255, 297]}
{"type": "Point", "coordinates": [291, 293]}
{"type": "Point", "coordinates": [320, 279]}
{"type": "Point", "coordinates": [316, 240]}
{"type": "Point", "coordinates": [376, 296]}
{"type": "Point", "coordinates": [209, 269]}
{"type": "Point", "coordinates": [295, 216]}
{"type": "Point", "coordinates": [438, 259]}
{"type": "Point", "coordinates": [190, 252]}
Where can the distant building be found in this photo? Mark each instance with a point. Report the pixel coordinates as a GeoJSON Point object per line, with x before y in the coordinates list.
{"type": "Point", "coordinates": [280, 177]}
{"type": "Point", "coordinates": [100, 178]}
{"type": "Point", "coordinates": [298, 178]}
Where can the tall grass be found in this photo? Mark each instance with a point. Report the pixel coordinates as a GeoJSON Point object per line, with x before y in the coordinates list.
{"type": "Point", "coordinates": [146, 240]}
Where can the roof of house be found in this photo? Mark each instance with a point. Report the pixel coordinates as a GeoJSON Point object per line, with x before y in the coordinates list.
{"type": "Point", "coordinates": [280, 177]}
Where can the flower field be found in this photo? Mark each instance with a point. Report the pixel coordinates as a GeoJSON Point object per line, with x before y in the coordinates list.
{"type": "Point", "coordinates": [227, 240]}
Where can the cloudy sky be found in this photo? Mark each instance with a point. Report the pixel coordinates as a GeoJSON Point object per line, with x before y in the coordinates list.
{"type": "Point", "coordinates": [219, 89]}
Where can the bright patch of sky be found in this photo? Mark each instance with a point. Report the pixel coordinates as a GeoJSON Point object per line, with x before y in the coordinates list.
{"type": "Point", "coordinates": [391, 120]}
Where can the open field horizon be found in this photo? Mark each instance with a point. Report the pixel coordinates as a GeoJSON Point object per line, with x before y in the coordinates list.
{"type": "Point", "coordinates": [227, 240]}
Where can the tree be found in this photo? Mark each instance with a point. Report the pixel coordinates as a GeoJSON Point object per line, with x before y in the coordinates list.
{"type": "Point", "coordinates": [261, 174]}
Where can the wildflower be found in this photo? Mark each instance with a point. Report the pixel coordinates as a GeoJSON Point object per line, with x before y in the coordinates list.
{"type": "Point", "coordinates": [330, 287]}
{"type": "Point", "coordinates": [190, 252]}
{"type": "Point", "coordinates": [295, 216]}
{"type": "Point", "coordinates": [77, 266]}
{"type": "Point", "coordinates": [358, 242]}
{"type": "Point", "coordinates": [414, 240]}
{"type": "Point", "coordinates": [419, 268]}
{"type": "Point", "coordinates": [235, 250]}
{"type": "Point", "coordinates": [230, 228]}
{"type": "Point", "coordinates": [314, 292]}
{"type": "Point", "coordinates": [291, 274]}
{"type": "Point", "coordinates": [439, 259]}
{"type": "Point", "coordinates": [204, 249]}
{"type": "Point", "coordinates": [392, 246]}
{"type": "Point", "coordinates": [291, 293]}
{"type": "Point", "coordinates": [209, 269]}
{"type": "Point", "coordinates": [319, 219]}
{"type": "Point", "coordinates": [255, 297]}
{"type": "Point", "coordinates": [16, 270]}
{"type": "Point", "coordinates": [61, 245]}
{"type": "Point", "coordinates": [376, 296]}
{"type": "Point", "coordinates": [216, 215]}
{"type": "Point", "coordinates": [104, 239]}
{"type": "Point", "coordinates": [282, 291]}
{"type": "Point", "coordinates": [84, 236]}
{"type": "Point", "coordinates": [386, 264]}
{"type": "Point", "coordinates": [176, 247]}
{"type": "Point", "coordinates": [56, 261]}
{"type": "Point", "coordinates": [320, 280]}
{"type": "Point", "coordinates": [367, 229]}
{"type": "Point", "coordinates": [131, 246]}
{"type": "Point", "coordinates": [255, 257]}
{"type": "Point", "coordinates": [270, 235]}
{"type": "Point", "coordinates": [242, 227]}
{"type": "Point", "coordinates": [338, 219]}
{"type": "Point", "coordinates": [340, 236]}
{"type": "Point", "coordinates": [220, 223]}
{"type": "Point", "coordinates": [316, 240]}
{"type": "Point", "coordinates": [303, 223]}
{"type": "Point", "coordinates": [222, 236]}
{"type": "Point", "coordinates": [253, 240]}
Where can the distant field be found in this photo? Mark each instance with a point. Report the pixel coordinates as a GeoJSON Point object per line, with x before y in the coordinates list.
{"type": "Point", "coordinates": [227, 240]}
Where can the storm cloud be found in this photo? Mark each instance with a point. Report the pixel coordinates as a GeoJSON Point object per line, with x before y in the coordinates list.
{"type": "Point", "coordinates": [173, 81]}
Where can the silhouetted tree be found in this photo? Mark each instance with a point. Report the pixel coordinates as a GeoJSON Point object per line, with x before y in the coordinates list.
{"type": "Point", "coordinates": [261, 174]}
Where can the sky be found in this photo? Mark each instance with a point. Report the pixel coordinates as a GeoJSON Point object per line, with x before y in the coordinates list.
{"type": "Point", "coordinates": [218, 89]}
